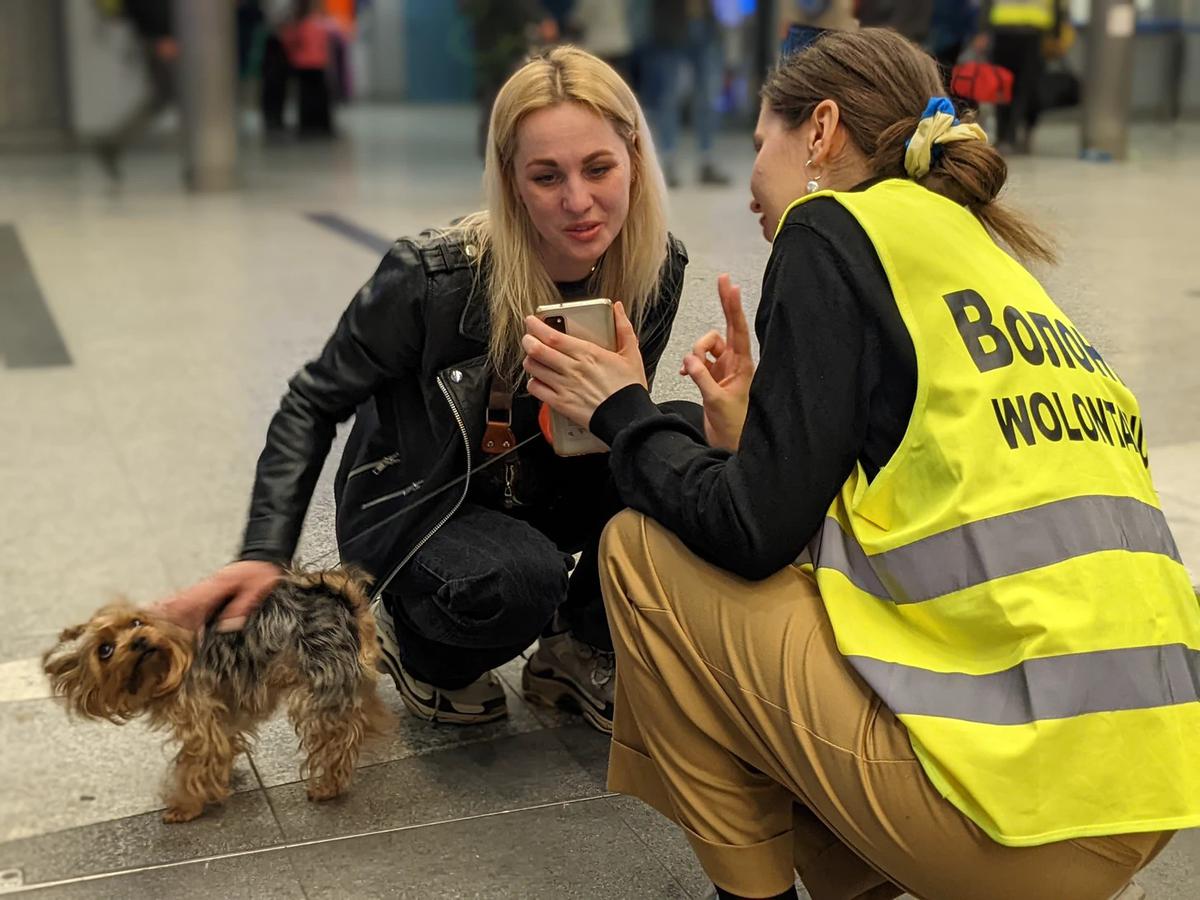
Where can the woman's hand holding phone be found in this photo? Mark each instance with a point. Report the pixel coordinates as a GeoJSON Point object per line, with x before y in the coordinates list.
{"type": "Point", "coordinates": [722, 368]}
{"type": "Point", "coordinates": [574, 376]}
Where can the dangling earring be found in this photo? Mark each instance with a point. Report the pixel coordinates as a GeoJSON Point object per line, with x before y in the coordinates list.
{"type": "Point", "coordinates": [813, 183]}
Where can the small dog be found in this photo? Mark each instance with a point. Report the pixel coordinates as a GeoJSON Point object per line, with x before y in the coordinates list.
{"type": "Point", "coordinates": [312, 639]}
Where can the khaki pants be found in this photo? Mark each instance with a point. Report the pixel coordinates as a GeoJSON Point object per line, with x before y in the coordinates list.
{"type": "Point", "coordinates": [737, 718]}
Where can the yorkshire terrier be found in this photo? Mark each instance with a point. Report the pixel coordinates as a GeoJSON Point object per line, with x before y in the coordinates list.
{"type": "Point", "coordinates": [312, 639]}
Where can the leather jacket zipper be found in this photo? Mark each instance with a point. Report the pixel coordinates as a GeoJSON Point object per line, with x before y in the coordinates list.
{"type": "Point", "coordinates": [462, 428]}
{"type": "Point", "coordinates": [375, 467]}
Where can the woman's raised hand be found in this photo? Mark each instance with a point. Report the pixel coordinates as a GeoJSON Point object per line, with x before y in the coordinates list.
{"type": "Point", "coordinates": [722, 369]}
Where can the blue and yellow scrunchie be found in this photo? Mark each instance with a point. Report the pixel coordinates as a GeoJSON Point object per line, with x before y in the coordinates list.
{"type": "Point", "coordinates": [938, 126]}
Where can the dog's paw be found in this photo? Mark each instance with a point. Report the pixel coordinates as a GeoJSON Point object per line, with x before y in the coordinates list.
{"type": "Point", "coordinates": [173, 815]}
{"type": "Point", "coordinates": [318, 793]}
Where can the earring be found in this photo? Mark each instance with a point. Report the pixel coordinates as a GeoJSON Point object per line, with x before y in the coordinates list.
{"type": "Point", "coordinates": [813, 183]}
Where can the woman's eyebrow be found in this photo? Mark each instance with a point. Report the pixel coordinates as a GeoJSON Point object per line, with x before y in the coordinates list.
{"type": "Point", "coordinates": [553, 163]}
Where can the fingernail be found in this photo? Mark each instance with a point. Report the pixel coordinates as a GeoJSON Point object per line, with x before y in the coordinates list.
{"type": "Point", "coordinates": [232, 624]}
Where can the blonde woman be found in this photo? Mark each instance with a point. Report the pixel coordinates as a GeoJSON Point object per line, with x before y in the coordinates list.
{"type": "Point", "coordinates": [474, 569]}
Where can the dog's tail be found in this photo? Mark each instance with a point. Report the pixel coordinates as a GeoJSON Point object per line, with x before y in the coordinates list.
{"type": "Point", "coordinates": [351, 585]}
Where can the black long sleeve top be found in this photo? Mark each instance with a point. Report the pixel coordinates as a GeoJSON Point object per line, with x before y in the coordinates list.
{"type": "Point", "coordinates": [834, 387]}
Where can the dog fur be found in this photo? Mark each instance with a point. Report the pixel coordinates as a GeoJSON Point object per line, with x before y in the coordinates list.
{"type": "Point", "coordinates": [312, 641]}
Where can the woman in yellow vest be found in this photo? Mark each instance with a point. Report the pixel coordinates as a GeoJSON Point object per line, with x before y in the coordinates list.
{"type": "Point", "coordinates": [903, 613]}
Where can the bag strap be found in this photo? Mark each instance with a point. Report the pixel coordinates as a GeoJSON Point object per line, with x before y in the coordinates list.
{"type": "Point", "coordinates": [498, 437]}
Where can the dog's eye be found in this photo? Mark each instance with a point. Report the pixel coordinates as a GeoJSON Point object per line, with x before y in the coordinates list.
{"type": "Point", "coordinates": [105, 651]}
{"type": "Point", "coordinates": [136, 623]}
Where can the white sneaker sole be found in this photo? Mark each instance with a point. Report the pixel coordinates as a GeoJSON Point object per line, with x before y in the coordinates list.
{"type": "Point", "coordinates": [439, 708]}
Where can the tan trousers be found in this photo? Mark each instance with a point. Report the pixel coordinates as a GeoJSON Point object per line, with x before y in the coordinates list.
{"type": "Point", "coordinates": [737, 718]}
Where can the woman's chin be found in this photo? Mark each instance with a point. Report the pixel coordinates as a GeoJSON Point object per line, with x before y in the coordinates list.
{"type": "Point", "coordinates": [581, 256]}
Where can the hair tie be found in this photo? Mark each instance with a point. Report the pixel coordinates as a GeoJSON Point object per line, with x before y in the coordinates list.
{"type": "Point", "coordinates": [938, 126]}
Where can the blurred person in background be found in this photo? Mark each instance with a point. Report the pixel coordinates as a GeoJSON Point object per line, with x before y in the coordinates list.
{"type": "Point", "coordinates": [911, 18]}
{"type": "Point", "coordinates": [151, 21]}
{"type": "Point", "coordinates": [561, 11]}
{"type": "Point", "coordinates": [250, 24]}
{"type": "Point", "coordinates": [684, 34]}
{"type": "Point", "coordinates": [602, 27]}
{"type": "Point", "coordinates": [308, 38]}
{"type": "Point", "coordinates": [1015, 33]}
{"type": "Point", "coordinates": [830, 14]}
{"type": "Point", "coordinates": [955, 23]}
{"type": "Point", "coordinates": [504, 31]}
{"type": "Point", "coordinates": [424, 353]}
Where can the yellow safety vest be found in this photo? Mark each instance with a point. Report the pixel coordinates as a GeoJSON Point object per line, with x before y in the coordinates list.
{"type": "Point", "coordinates": [1023, 13]}
{"type": "Point", "coordinates": [1007, 583]}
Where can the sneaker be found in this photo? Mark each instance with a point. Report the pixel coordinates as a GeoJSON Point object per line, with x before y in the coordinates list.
{"type": "Point", "coordinates": [567, 673]}
{"type": "Point", "coordinates": [711, 175]}
{"type": "Point", "coordinates": [480, 701]}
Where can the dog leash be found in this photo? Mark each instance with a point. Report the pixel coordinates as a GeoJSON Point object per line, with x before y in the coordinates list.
{"type": "Point", "coordinates": [411, 506]}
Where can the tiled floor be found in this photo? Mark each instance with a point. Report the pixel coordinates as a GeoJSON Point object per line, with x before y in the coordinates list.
{"type": "Point", "coordinates": [128, 471]}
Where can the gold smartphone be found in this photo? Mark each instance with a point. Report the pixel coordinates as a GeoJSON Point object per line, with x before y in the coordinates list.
{"type": "Point", "coordinates": [588, 320]}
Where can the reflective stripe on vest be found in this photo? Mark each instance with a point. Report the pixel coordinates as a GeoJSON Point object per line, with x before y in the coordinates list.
{"type": "Point", "coordinates": [993, 548]}
{"type": "Point", "coordinates": [1057, 687]}
{"type": "Point", "coordinates": [1007, 583]}
{"type": "Point", "coordinates": [1023, 13]}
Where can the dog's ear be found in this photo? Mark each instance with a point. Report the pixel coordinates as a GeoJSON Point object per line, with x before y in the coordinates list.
{"type": "Point", "coordinates": [65, 668]}
{"type": "Point", "coordinates": [64, 655]}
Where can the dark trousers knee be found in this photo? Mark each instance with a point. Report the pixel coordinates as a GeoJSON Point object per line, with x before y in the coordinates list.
{"type": "Point", "coordinates": [475, 596]}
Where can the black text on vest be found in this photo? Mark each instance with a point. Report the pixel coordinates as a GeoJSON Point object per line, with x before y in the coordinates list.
{"type": "Point", "coordinates": [1043, 416]}
{"type": "Point", "coordinates": [1038, 339]}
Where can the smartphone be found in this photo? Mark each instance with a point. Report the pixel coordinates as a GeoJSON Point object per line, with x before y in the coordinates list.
{"type": "Point", "coordinates": [588, 320]}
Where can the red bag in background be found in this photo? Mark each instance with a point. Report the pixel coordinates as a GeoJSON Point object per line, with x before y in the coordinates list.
{"type": "Point", "coordinates": [981, 82]}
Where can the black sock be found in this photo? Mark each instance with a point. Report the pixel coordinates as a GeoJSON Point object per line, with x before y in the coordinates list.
{"type": "Point", "coordinates": [789, 894]}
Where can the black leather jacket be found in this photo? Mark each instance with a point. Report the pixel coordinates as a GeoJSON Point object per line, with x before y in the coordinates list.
{"type": "Point", "coordinates": [409, 356]}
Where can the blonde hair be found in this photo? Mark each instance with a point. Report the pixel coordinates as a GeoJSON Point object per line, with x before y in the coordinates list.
{"type": "Point", "coordinates": [516, 281]}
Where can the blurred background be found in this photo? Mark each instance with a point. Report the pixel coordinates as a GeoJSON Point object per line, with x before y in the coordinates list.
{"type": "Point", "coordinates": [190, 193]}
{"type": "Point", "coordinates": [108, 76]}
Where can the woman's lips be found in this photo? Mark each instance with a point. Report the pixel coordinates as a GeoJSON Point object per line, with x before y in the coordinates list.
{"type": "Point", "coordinates": [584, 231]}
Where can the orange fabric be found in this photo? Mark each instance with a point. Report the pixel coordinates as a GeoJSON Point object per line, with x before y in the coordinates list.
{"type": "Point", "coordinates": [342, 10]}
{"type": "Point", "coordinates": [544, 423]}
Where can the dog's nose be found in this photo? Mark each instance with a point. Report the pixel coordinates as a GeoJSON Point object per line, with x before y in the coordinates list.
{"type": "Point", "coordinates": [140, 644]}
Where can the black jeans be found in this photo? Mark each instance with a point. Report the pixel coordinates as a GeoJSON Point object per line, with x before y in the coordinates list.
{"type": "Point", "coordinates": [489, 582]}
{"type": "Point", "coordinates": [1020, 51]}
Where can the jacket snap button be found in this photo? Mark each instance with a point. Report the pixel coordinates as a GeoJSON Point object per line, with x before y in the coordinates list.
{"type": "Point", "coordinates": [456, 376]}
{"type": "Point", "coordinates": [470, 251]}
